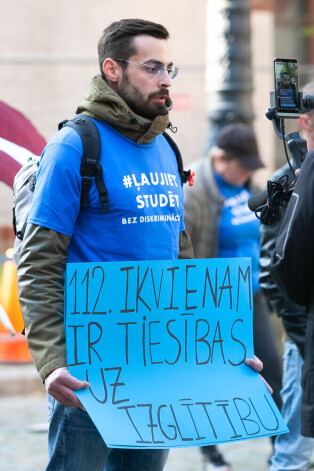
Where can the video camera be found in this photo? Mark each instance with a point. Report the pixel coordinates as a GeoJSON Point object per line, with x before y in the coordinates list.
{"type": "Point", "coordinates": [285, 102]}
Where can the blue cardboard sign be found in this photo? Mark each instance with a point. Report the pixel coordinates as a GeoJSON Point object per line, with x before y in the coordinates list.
{"type": "Point", "coordinates": [163, 344]}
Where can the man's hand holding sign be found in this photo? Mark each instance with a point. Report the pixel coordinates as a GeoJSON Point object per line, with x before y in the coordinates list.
{"type": "Point", "coordinates": [162, 350]}
{"type": "Point", "coordinates": [60, 385]}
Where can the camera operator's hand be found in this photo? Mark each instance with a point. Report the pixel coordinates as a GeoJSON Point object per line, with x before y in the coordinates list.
{"type": "Point", "coordinates": [60, 384]}
{"type": "Point", "coordinates": [257, 365]}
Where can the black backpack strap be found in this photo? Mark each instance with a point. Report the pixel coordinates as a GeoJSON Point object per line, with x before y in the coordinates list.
{"type": "Point", "coordinates": [184, 174]}
{"type": "Point", "coordinates": [90, 165]}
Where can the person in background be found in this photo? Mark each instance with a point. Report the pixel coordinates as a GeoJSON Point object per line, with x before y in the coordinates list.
{"type": "Point", "coordinates": [221, 225]}
{"type": "Point", "coordinates": [292, 451]}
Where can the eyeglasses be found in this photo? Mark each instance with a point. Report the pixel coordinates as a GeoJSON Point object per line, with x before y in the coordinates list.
{"type": "Point", "coordinates": [153, 69]}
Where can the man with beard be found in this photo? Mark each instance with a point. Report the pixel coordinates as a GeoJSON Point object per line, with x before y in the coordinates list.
{"type": "Point", "coordinates": [129, 103]}
{"type": "Point", "coordinates": [287, 93]}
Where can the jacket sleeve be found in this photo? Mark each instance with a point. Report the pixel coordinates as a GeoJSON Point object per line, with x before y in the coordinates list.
{"type": "Point", "coordinates": [294, 316]}
{"type": "Point", "coordinates": [292, 261]}
{"type": "Point", "coordinates": [185, 246]}
{"type": "Point", "coordinates": [192, 215]}
{"type": "Point", "coordinates": [41, 292]}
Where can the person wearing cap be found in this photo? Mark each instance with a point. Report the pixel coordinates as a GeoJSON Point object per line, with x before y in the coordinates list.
{"type": "Point", "coordinates": [220, 224]}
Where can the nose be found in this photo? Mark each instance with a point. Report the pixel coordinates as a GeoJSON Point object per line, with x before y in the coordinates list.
{"type": "Point", "coordinates": [164, 79]}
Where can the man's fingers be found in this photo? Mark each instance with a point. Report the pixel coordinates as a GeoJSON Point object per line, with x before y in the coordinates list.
{"type": "Point", "coordinates": [74, 383]}
{"type": "Point", "coordinates": [61, 376]}
{"type": "Point", "coordinates": [270, 389]}
{"type": "Point", "coordinates": [63, 399]}
{"type": "Point", "coordinates": [255, 363]}
{"type": "Point", "coordinates": [65, 396]}
{"type": "Point", "coordinates": [66, 401]}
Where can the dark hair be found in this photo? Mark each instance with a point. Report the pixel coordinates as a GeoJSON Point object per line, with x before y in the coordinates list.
{"type": "Point", "coordinates": [117, 39]}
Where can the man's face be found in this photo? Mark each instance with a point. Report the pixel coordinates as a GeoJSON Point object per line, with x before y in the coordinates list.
{"type": "Point", "coordinates": [235, 174]}
{"type": "Point", "coordinates": [231, 170]}
{"type": "Point", "coordinates": [285, 81]}
{"type": "Point", "coordinates": [145, 93]}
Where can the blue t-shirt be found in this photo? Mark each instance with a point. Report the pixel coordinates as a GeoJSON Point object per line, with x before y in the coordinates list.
{"type": "Point", "coordinates": [287, 97]}
{"type": "Point", "coordinates": [239, 227]}
{"type": "Point", "coordinates": [145, 198]}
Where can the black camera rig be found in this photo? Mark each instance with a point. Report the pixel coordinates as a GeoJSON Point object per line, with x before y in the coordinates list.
{"type": "Point", "coordinates": [267, 203]}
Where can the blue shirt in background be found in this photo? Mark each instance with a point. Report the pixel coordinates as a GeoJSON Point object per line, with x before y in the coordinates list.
{"type": "Point", "coordinates": [239, 227]}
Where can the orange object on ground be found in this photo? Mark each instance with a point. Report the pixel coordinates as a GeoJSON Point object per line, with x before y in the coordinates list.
{"type": "Point", "coordinates": [9, 296]}
{"type": "Point", "coordinates": [13, 349]}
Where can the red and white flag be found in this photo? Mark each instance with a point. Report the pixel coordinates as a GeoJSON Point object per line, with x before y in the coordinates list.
{"type": "Point", "coordinates": [19, 139]}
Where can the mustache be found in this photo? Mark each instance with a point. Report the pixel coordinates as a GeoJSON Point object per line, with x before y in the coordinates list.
{"type": "Point", "coordinates": [160, 94]}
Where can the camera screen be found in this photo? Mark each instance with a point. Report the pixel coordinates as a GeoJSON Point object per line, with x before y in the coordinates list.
{"type": "Point", "coordinates": [287, 87]}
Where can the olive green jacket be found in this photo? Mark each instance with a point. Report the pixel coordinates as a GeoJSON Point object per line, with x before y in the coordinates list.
{"type": "Point", "coordinates": [44, 252]}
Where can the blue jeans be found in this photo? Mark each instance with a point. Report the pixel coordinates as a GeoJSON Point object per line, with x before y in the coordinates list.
{"type": "Point", "coordinates": [292, 451]}
{"type": "Point", "coordinates": [74, 443]}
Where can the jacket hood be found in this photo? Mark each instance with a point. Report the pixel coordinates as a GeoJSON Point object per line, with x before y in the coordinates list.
{"type": "Point", "coordinates": [103, 103]}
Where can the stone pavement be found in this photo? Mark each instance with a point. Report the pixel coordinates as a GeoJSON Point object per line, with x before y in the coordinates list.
{"type": "Point", "coordinates": [23, 436]}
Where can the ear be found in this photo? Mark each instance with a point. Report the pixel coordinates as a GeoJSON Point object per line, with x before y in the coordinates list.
{"type": "Point", "coordinates": [220, 155]}
{"type": "Point", "coordinates": [305, 122]}
{"type": "Point", "coordinates": [111, 70]}
{"type": "Point", "coordinates": [218, 159]}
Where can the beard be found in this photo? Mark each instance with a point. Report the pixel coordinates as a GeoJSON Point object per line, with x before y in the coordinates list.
{"type": "Point", "coordinates": [142, 106]}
